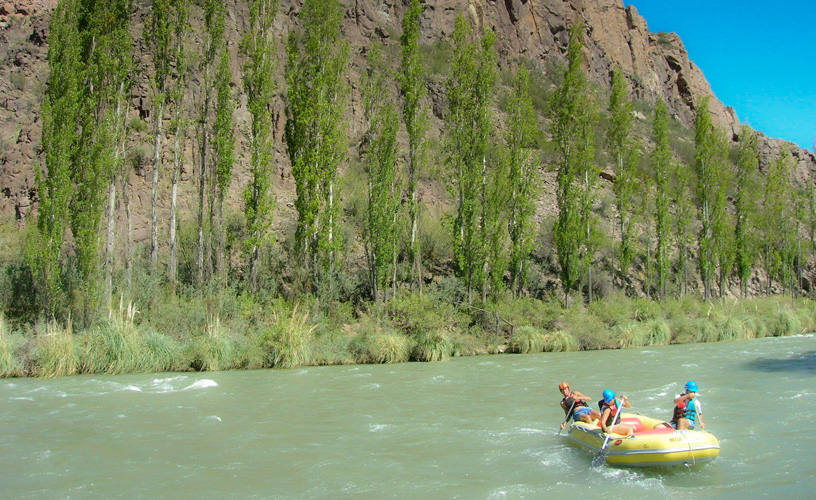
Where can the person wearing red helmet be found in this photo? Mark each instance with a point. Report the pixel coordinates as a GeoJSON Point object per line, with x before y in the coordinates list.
{"type": "Point", "coordinates": [574, 405]}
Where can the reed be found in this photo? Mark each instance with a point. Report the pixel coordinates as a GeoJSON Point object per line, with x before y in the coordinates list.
{"type": "Point", "coordinates": [707, 331]}
{"type": "Point", "coordinates": [216, 350]}
{"type": "Point", "coordinates": [526, 339]}
{"type": "Point", "coordinates": [382, 346]}
{"type": "Point", "coordinates": [731, 328]}
{"type": "Point", "coordinates": [785, 322]}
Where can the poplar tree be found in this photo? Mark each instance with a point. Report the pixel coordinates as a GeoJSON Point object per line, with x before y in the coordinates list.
{"type": "Point", "coordinates": [159, 36]}
{"type": "Point", "coordinates": [661, 166]}
{"type": "Point", "coordinates": [381, 166]}
{"type": "Point", "coordinates": [684, 221]}
{"type": "Point", "coordinates": [178, 125]}
{"type": "Point", "coordinates": [745, 209]}
{"type": "Point", "coordinates": [572, 130]}
{"type": "Point", "coordinates": [522, 180]}
{"type": "Point", "coordinates": [258, 50]}
{"type": "Point", "coordinates": [315, 71]}
{"type": "Point", "coordinates": [59, 111]}
{"type": "Point", "coordinates": [622, 148]}
{"type": "Point", "coordinates": [470, 92]}
{"type": "Point", "coordinates": [412, 90]}
{"type": "Point", "coordinates": [710, 167]}
{"type": "Point", "coordinates": [214, 23]}
{"type": "Point", "coordinates": [105, 50]}
{"type": "Point", "coordinates": [776, 219]}
{"type": "Point", "coordinates": [224, 157]}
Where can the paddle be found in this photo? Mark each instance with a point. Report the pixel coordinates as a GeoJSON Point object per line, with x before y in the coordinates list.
{"type": "Point", "coordinates": [574, 400]}
{"type": "Point", "coordinates": [600, 456]}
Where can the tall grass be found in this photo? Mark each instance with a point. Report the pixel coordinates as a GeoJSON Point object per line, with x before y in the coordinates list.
{"type": "Point", "coordinates": [10, 363]}
{"type": "Point", "coordinates": [658, 332]}
{"type": "Point", "coordinates": [432, 345]}
{"type": "Point", "coordinates": [288, 340]}
{"type": "Point", "coordinates": [380, 345]}
{"type": "Point", "coordinates": [216, 349]}
{"type": "Point", "coordinates": [629, 335]}
{"type": "Point", "coordinates": [55, 353]}
{"type": "Point", "coordinates": [559, 341]}
{"type": "Point", "coordinates": [526, 339]}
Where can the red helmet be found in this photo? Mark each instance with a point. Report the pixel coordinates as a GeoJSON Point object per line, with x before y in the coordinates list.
{"type": "Point", "coordinates": [562, 386]}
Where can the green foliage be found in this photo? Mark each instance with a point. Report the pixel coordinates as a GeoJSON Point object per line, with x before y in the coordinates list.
{"type": "Point", "coordinates": [382, 206]}
{"type": "Point", "coordinates": [712, 169]}
{"type": "Point", "coordinates": [469, 123]}
{"type": "Point", "coordinates": [658, 332]}
{"type": "Point", "coordinates": [784, 323]}
{"type": "Point", "coordinates": [622, 148]}
{"type": "Point", "coordinates": [560, 341]}
{"type": "Point", "coordinates": [315, 131]}
{"type": "Point", "coordinates": [431, 345]}
{"type": "Point", "coordinates": [417, 314]}
{"type": "Point", "coordinates": [745, 236]}
{"type": "Point", "coordinates": [375, 344]}
{"type": "Point", "coordinates": [288, 341]}
{"type": "Point", "coordinates": [661, 167]}
{"type": "Point", "coordinates": [55, 353]}
{"type": "Point", "coordinates": [10, 361]}
{"type": "Point", "coordinates": [526, 339]}
{"type": "Point", "coordinates": [777, 231]}
{"type": "Point", "coordinates": [573, 118]}
{"type": "Point", "coordinates": [522, 183]}
{"type": "Point", "coordinates": [258, 50]}
{"type": "Point", "coordinates": [630, 335]}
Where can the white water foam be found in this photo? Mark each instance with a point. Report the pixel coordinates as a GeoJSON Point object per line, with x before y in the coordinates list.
{"type": "Point", "coordinates": [377, 427]}
{"type": "Point", "coordinates": [201, 384]}
{"type": "Point", "coordinates": [215, 418]}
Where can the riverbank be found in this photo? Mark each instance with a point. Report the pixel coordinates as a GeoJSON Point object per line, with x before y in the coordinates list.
{"type": "Point", "coordinates": [177, 336]}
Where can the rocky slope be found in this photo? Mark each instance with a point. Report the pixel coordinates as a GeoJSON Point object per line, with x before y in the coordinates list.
{"type": "Point", "coordinates": [656, 64]}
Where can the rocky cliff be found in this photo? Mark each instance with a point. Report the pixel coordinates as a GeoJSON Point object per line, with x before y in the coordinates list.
{"type": "Point", "coordinates": [656, 65]}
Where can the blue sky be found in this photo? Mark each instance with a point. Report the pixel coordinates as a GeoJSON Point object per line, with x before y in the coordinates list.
{"type": "Point", "coordinates": [759, 57]}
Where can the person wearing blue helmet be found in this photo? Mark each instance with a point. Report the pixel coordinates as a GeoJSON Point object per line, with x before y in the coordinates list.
{"type": "Point", "coordinates": [688, 409]}
{"type": "Point", "coordinates": [609, 410]}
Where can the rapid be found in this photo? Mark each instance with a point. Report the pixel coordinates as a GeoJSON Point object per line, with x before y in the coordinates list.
{"type": "Point", "coordinates": [479, 427]}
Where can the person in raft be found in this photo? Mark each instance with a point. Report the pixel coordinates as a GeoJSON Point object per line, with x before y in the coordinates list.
{"type": "Point", "coordinates": [574, 405]}
{"type": "Point", "coordinates": [688, 410]}
{"type": "Point", "coordinates": [609, 410]}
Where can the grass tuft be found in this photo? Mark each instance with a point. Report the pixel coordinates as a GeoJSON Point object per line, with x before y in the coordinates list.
{"type": "Point", "coordinates": [526, 340]}
{"type": "Point", "coordinates": [433, 345]}
{"type": "Point", "coordinates": [56, 351]}
{"type": "Point", "coordinates": [559, 341]}
{"type": "Point", "coordinates": [288, 341]}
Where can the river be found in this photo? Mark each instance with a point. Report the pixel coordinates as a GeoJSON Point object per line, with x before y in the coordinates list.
{"type": "Point", "coordinates": [480, 427]}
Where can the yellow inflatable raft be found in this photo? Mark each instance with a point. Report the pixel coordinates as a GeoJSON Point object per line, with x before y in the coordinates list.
{"type": "Point", "coordinates": [648, 447]}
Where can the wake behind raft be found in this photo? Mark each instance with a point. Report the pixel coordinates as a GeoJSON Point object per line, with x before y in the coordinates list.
{"type": "Point", "coordinates": [649, 446]}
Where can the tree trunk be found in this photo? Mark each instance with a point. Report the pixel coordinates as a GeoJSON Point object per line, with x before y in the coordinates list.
{"type": "Point", "coordinates": [154, 211]}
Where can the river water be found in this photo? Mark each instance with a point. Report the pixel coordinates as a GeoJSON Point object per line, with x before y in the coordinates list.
{"type": "Point", "coordinates": [481, 427]}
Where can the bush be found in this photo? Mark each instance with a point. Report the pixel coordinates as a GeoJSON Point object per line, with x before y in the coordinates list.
{"type": "Point", "coordinates": [784, 323]}
{"type": "Point", "coordinates": [526, 339]}
{"type": "Point", "coordinates": [216, 349]}
{"type": "Point", "coordinates": [288, 340]}
{"type": "Point", "coordinates": [629, 335]}
{"type": "Point", "coordinates": [55, 354]}
{"type": "Point", "coordinates": [706, 331]}
{"type": "Point", "coordinates": [433, 345]}
{"type": "Point", "coordinates": [732, 329]}
{"type": "Point", "coordinates": [559, 342]}
{"type": "Point", "coordinates": [658, 332]}
{"type": "Point", "coordinates": [376, 344]}
{"type": "Point", "coordinates": [473, 343]}
{"type": "Point", "coordinates": [163, 354]}
{"type": "Point", "coordinates": [10, 364]}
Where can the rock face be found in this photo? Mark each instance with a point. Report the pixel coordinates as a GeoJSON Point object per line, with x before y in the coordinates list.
{"type": "Point", "coordinates": [656, 65]}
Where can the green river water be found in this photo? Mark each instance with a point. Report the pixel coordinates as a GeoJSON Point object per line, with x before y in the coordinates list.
{"type": "Point", "coordinates": [482, 427]}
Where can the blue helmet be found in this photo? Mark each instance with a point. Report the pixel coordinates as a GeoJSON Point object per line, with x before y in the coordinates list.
{"type": "Point", "coordinates": [691, 386]}
{"type": "Point", "coordinates": [608, 395]}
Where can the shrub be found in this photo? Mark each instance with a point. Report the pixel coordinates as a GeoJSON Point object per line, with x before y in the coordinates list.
{"type": "Point", "coordinates": [432, 345]}
{"type": "Point", "coordinates": [10, 364]}
{"type": "Point", "coordinates": [331, 348]}
{"type": "Point", "coordinates": [784, 323]}
{"type": "Point", "coordinates": [731, 329]}
{"type": "Point", "coordinates": [163, 354]}
{"type": "Point", "coordinates": [381, 346]}
{"type": "Point", "coordinates": [473, 343]}
{"type": "Point", "coordinates": [288, 340]}
{"type": "Point", "coordinates": [658, 332]}
{"type": "Point", "coordinates": [629, 335]}
{"type": "Point", "coordinates": [55, 354]}
{"type": "Point", "coordinates": [526, 339]}
{"type": "Point", "coordinates": [216, 349]}
{"type": "Point", "coordinates": [706, 331]}
{"type": "Point", "coordinates": [559, 342]}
